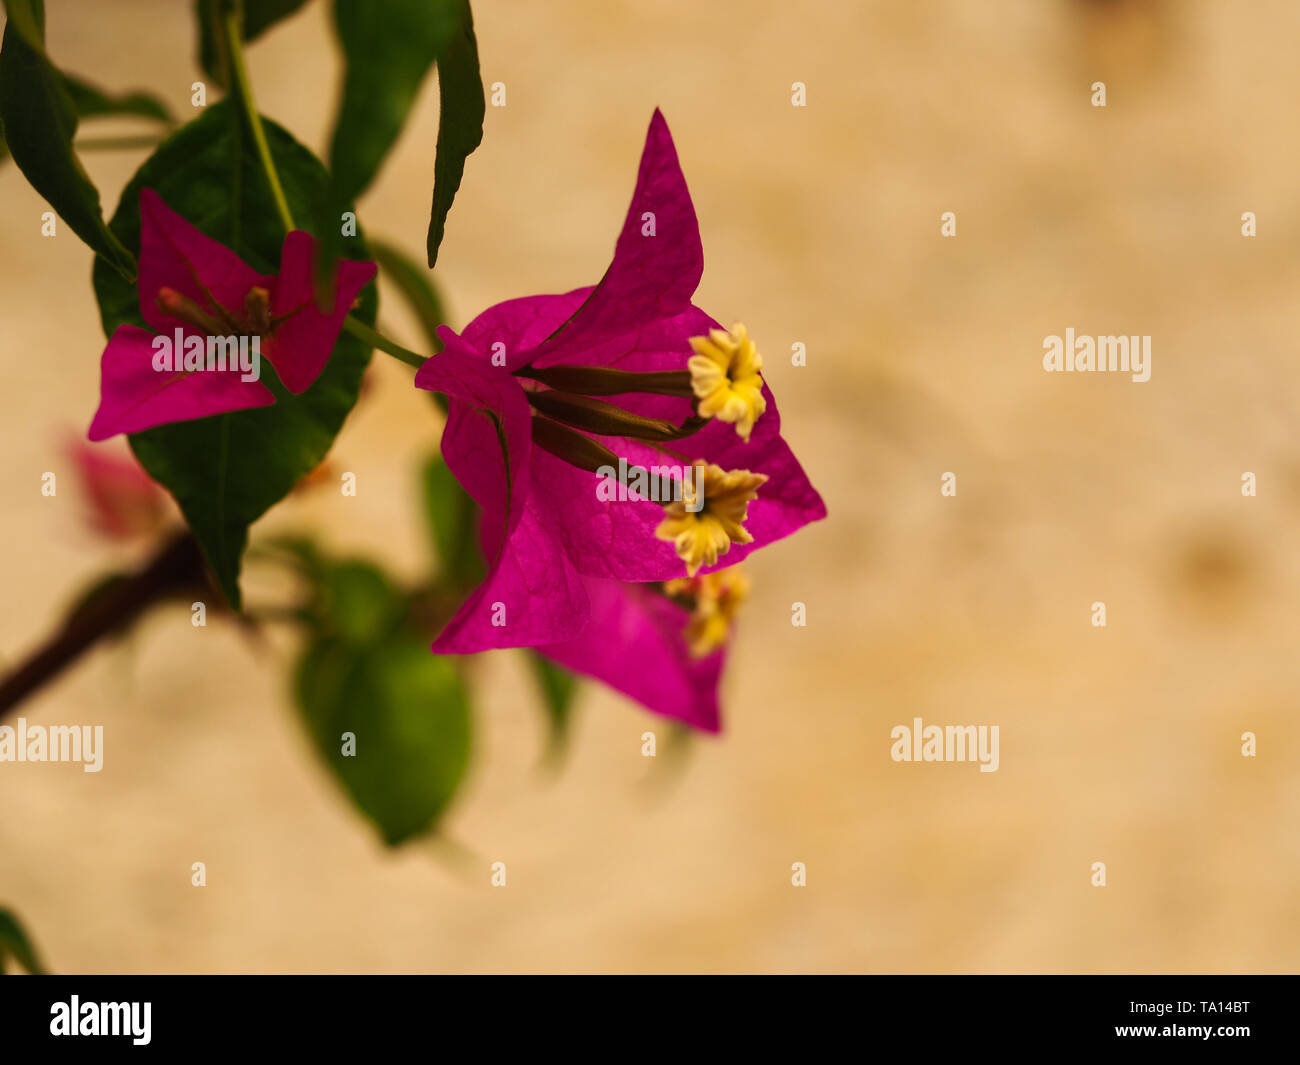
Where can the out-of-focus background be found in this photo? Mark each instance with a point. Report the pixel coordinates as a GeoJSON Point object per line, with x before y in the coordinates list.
{"type": "Point", "coordinates": [821, 226]}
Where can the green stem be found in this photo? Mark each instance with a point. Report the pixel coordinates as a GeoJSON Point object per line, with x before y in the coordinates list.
{"type": "Point", "coordinates": [363, 332]}
{"type": "Point", "coordinates": [244, 85]}
{"type": "Point", "coordinates": [240, 70]}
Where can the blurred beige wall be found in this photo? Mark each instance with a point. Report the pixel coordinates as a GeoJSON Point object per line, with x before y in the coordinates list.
{"type": "Point", "coordinates": [821, 226]}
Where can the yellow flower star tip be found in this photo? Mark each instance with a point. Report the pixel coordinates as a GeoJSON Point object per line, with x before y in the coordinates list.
{"type": "Point", "coordinates": [714, 600]}
{"type": "Point", "coordinates": [726, 378]}
{"type": "Point", "coordinates": [709, 517]}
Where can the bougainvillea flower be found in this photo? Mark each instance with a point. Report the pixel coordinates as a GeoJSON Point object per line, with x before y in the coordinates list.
{"type": "Point", "coordinates": [212, 318]}
{"type": "Point", "coordinates": [636, 642]}
{"type": "Point", "coordinates": [123, 501]}
{"type": "Point", "coordinates": [556, 469]}
{"type": "Point", "coordinates": [714, 599]}
{"type": "Point", "coordinates": [726, 378]}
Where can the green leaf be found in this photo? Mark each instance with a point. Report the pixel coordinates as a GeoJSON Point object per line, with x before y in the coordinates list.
{"type": "Point", "coordinates": [357, 601]}
{"type": "Point", "coordinates": [388, 50]}
{"type": "Point", "coordinates": [416, 287]}
{"type": "Point", "coordinates": [368, 671]}
{"type": "Point", "coordinates": [558, 689]}
{"type": "Point", "coordinates": [39, 119]}
{"type": "Point", "coordinates": [92, 102]}
{"type": "Point", "coordinates": [460, 124]}
{"type": "Point", "coordinates": [15, 943]}
{"type": "Point", "coordinates": [27, 17]}
{"type": "Point", "coordinates": [453, 520]}
{"type": "Point", "coordinates": [228, 470]}
{"type": "Point", "coordinates": [259, 16]}
{"type": "Point", "coordinates": [410, 718]}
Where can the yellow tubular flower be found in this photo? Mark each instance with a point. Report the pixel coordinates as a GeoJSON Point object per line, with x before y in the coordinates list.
{"type": "Point", "coordinates": [715, 599]}
{"type": "Point", "coordinates": [709, 517]}
{"type": "Point", "coordinates": [725, 377]}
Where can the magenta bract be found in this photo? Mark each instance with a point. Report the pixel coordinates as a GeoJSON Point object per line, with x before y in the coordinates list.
{"type": "Point", "coordinates": [203, 303]}
{"type": "Point", "coordinates": [549, 539]}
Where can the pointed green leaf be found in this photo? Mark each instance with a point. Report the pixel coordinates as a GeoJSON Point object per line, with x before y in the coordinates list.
{"type": "Point", "coordinates": [92, 102]}
{"type": "Point", "coordinates": [460, 124]}
{"type": "Point", "coordinates": [390, 719]}
{"type": "Point", "coordinates": [27, 17]}
{"type": "Point", "coordinates": [39, 118]}
{"type": "Point", "coordinates": [388, 50]}
{"type": "Point", "coordinates": [558, 689]}
{"type": "Point", "coordinates": [15, 943]}
{"type": "Point", "coordinates": [453, 520]}
{"type": "Point", "coordinates": [408, 713]}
